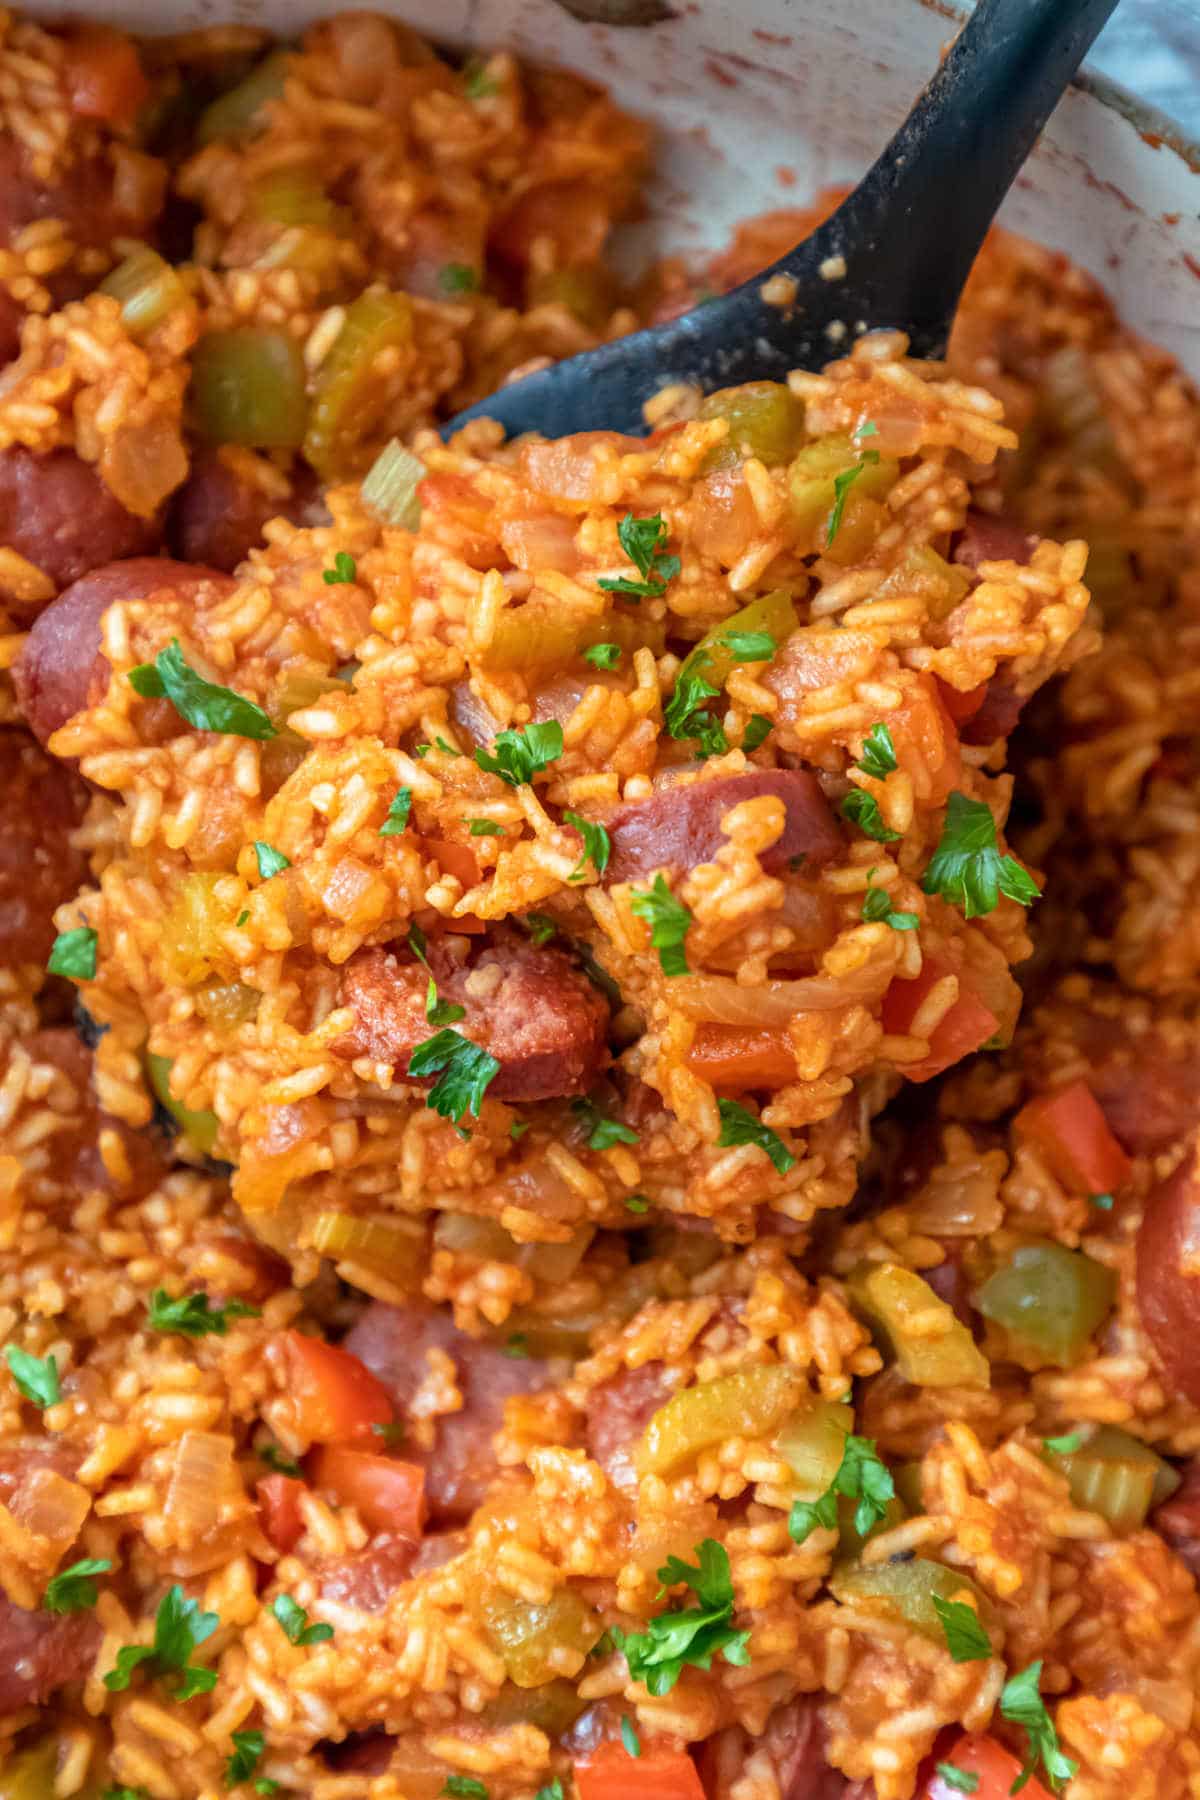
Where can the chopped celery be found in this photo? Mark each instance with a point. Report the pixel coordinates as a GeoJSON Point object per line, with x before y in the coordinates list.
{"type": "Point", "coordinates": [30, 1774]}
{"type": "Point", "coordinates": [568, 1331]}
{"type": "Point", "coordinates": [765, 420]}
{"type": "Point", "coordinates": [227, 1003]}
{"type": "Point", "coordinates": [713, 658]}
{"type": "Point", "coordinates": [351, 388]}
{"type": "Point", "coordinates": [907, 1479]}
{"type": "Point", "coordinates": [931, 1348]}
{"type": "Point", "coordinates": [389, 489]}
{"type": "Point", "coordinates": [552, 1707]}
{"type": "Point", "coordinates": [294, 197]}
{"type": "Point", "coordinates": [393, 1247]}
{"type": "Point", "coordinates": [813, 497]}
{"type": "Point", "coordinates": [905, 1589]}
{"type": "Point", "coordinates": [940, 584]}
{"type": "Point", "coordinates": [535, 1639]}
{"type": "Point", "coordinates": [541, 634]}
{"type": "Point", "coordinates": [240, 110]}
{"type": "Point", "coordinates": [199, 1128]}
{"type": "Point", "coordinates": [850, 1538]}
{"type": "Point", "coordinates": [1116, 1475]}
{"type": "Point", "coordinates": [248, 387]}
{"type": "Point", "coordinates": [147, 288]}
{"type": "Point", "coordinates": [1049, 1299]}
{"type": "Point", "coordinates": [750, 1404]}
{"type": "Point", "coordinates": [812, 1443]}
{"type": "Point", "coordinates": [194, 922]}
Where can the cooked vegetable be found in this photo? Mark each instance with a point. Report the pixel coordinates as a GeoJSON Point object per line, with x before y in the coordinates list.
{"type": "Point", "coordinates": [279, 1506]}
{"type": "Point", "coordinates": [1022, 1703]}
{"type": "Point", "coordinates": [534, 1638]}
{"type": "Point", "coordinates": [552, 1707]}
{"type": "Point", "coordinates": [931, 1348]}
{"type": "Point", "coordinates": [147, 288]}
{"type": "Point", "coordinates": [772, 615]}
{"type": "Point", "coordinates": [751, 1403]}
{"type": "Point", "coordinates": [812, 1442]}
{"type": "Point", "coordinates": [74, 954]}
{"type": "Point", "coordinates": [911, 1590]}
{"type": "Point", "coordinates": [613, 1773]}
{"type": "Point", "coordinates": [765, 420]}
{"type": "Point", "coordinates": [388, 1495]}
{"type": "Point", "coordinates": [293, 197]}
{"type": "Point", "coordinates": [1073, 1136]}
{"type": "Point", "coordinates": [240, 110]}
{"type": "Point", "coordinates": [979, 1765]}
{"type": "Point", "coordinates": [380, 1241]}
{"type": "Point", "coordinates": [249, 387]}
{"type": "Point", "coordinates": [967, 868]}
{"type": "Point", "coordinates": [199, 1128]}
{"type": "Point", "coordinates": [1049, 1299]}
{"type": "Point", "coordinates": [1113, 1474]}
{"type": "Point", "coordinates": [673, 1640]}
{"type": "Point", "coordinates": [335, 1397]}
{"type": "Point", "coordinates": [349, 393]}
{"type": "Point", "coordinates": [831, 519]}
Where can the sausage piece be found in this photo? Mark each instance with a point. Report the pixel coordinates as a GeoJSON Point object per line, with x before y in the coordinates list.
{"type": "Point", "coordinates": [216, 518]}
{"type": "Point", "coordinates": [77, 1166]}
{"type": "Point", "coordinates": [1178, 1519]}
{"type": "Point", "coordinates": [61, 670]}
{"type": "Point", "coordinates": [368, 1579]}
{"type": "Point", "coordinates": [615, 1415]}
{"type": "Point", "coordinates": [988, 537]}
{"type": "Point", "coordinates": [57, 513]}
{"type": "Point", "coordinates": [681, 826]}
{"type": "Point", "coordinates": [39, 1653]}
{"type": "Point", "coordinates": [538, 1016]}
{"type": "Point", "coordinates": [1168, 1275]}
{"type": "Point", "coordinates": [42, 801]}
{"type": "Point", "coordinates": [93, 206]}
{"type": "Point", "coordinates": [394, 1342]}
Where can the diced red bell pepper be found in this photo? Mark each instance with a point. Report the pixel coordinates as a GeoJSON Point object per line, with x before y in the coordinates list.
{"type": "Point", "coordinates": [389, 1495]}
{"type": "Point", "coordinates": [336, 1397]}
{"type": "Point", "coordinates": [279, 1508]}
{"type": "Point", "coordinates": [610, 1773]}
{"type": "Point", "coordinates": [727, 1056]}
{"type": "Point", "coordinates": [103, 75]}
{"type": "Point", "coordinates": [966, 1026]}
{"type": "Point", "coordinates": [1070, 1130]}
{"type": "Point", "coordinates": [995, 1768]}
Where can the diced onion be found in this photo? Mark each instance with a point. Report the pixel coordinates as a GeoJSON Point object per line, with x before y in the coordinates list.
{"type": "Point", "coordinates": [147, 288]}
{"type": "Point", "coordinates": [718, 1000]}
{"type": "Point", "coordinates": [203, 1485]}
{"type": "Point", "coordinates": [390, 487]}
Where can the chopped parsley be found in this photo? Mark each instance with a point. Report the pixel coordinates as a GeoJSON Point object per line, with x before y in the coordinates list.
{"type": "Point", "coordinates": [758, 727]}
{"type": "Point", "coordinates": [966, 1640]}
{"type": "Point", "coordinates": [597, 845]}
{"type": "Point", "coordinates": [517, 1346]}
{"type": "Point", "coordinates": [629, 1737]}
{"type": "Point", "coordinates": [1021, 1703]}
{"type": "Point", "coordinates": [668, 919]}
{"type": "Point", "coordinates": [199, 702]}
{"type": "Point", "coordinates": [445, 748]}
{"type": "Point", "coordinates": [637, 1203]}
{"type": "Point", "coordinates": [294, 1621]}
{"type": "Point", "coordinates": [685, 715]}
{"type": "Point", "coordinates": [553, 1790]}
{"type": "Point", "coordinates": [397, 813]}
{"type": "Point", "coordinates": [878, 757]}
{"type": "Point", "coordinates": [194, 1315]}
{"type": "Point", "coordinates": [739, 1126]}
{"type": "Point", "coordinates": [954, 1777]}
{"type": "Point", "coordinates": [179, 1628]}
{"type": "Point", "coordinates": [841, 488]}
{"type": "Point", "coordinates": [124, 1793]}
{"type": "Point", "coordinates": [603, 656]}
{"type": "Point", "coordinates": [540, 926]}
{"type": "Point", "coordinates": [967, 868]}
{"type": "Point", "coordinates": [518, 1128]}
{"type": "Point", "coordinates": [862, 1475]}
{"type": "Point", "coordinates": [344, 569]}
{"type": "Point", "coordinates": [877, 905]}
{"type": "Point", "coordinates": [275, 1459]}
{"type": "Point", "coordinates": [390, 1430]}
{"type": "Point", "coordinates": [516, 756]}
{"type": "Point", "coordinates": [602, 1133]}
{"type": "Point", "coordinates": [74, 1589]}
{"type": "Point", "coordinates": [862, 809]}
{"type": "Point", "coordinates": [477, 83]}
{"type": "Point", "coordinates": [265, 1786]}
{"type": "Point", "coordinates": [242, 917]}
{"type": "Point", "coordinates": [464, 1071]}
{"type": "Point", "coordinates": [644, 542]}
{"type": "Point", "coordinates": [248, 1747]}
{"type": "Point", "coordinates": [1103, 1202]}
{"type": "Point", "coordinates": [421, 751]}
{"type": "Point", "coordinates": [270, 861]}
{"type": "Point", "coordinates": [458, 278]}
{"type": "Point", "coordinates": [484, 828]}
{"type": "Point", "coordinates": [658, 1655]}
{"type": "Point", "coordinates": [749, 646]}
{"type": "Point", "coordinates": [465, 1787]}
{"type": "Point", "coordinates": [36, 1376]}
{"type": "Point", "coordinates": [1066, 1445]}
{"type": "Point", "coordinates": [74, 954]}
{"type": "Point", "coordinates": [438, 1012]}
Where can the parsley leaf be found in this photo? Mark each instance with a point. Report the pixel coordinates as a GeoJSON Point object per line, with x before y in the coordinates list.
{"type": "Point", "coordinates": [464, 1071]}
{"type": "Point", "coordinates": [516, 756]}
{"type": "Point", "coordinates": [36, 1376]}
{"type": "Point", "coordinates": [954, 1777]}
{"type": "Point", "coordinates": [657, 1655]}
{"type": "Point", "coordinates": [518, 1128]}
{"type": "Point", "coordinates": [458, 278]}
{"type": "Point", "coordinates": [275, 1459]}
{"type": "Point", "coordinates": [194, 1316]}
{"type": "Point", "coordinates": [445, 748]}
{"type": "Point", "coordinates": [629, 1737]}
{"type": "Point", "coordinates": [201, 703]}
{"type": "Point", "coordinates": [878, 756]}
{"type": "Point", "coordinates": [739, 1126]}
{"type": "Point", "coordinates": [124, 1793]}
{"type": "Point", "coordinates": [1102, 1202]}
{"type": "Point", "coordinates": [1066, 1445]}
{"type": "Point", "coordinates": [441, 1012]}
{"type": "Point", "coordinates": [485, 828]}
{"type": "Point", "coordinates": [966, 1639]}
{"type": "Point", "coordinates": [397, 814]}
{"type": "Point", "coordinates": [73, 1589]}
{"type": "Point", "coordinates": [248, 1747]}
{"type": "Point", "coordinates": [603, 656]}
{"type": "Point", "coordinates": [294, 1621]}
{"type": "Point", "coordinates": [344, 569]}
{"type": "Point", "coordinates": [553, 1790]}
{"type": "Point", "coordinates": [477, 83]}
{"type": "Point", "coordinates": [242, 917]}
{"type": "Point", "coordinates": [517, 1346]}
{"type": "Point", "coordinates": [540, 926]}
{"type": "Point", "coordinates": [877, 904]}
{"type": "Point", "coordinates": [644, 542]}
{"type": "Point", "coordinates": [270, 861]}
{"type": "Point", "coordinates": [967, 868]}
{"type": "Point", "coordinates": [74, 954]}
{"type": "Point", "coordinates": [465, 1787]}
{"type": "Point", "coordinates": [179, 1628]}
{"type": "Point", "coordinates": [597, 845]}
{"type": "Point", "coordinates": [685, 715]}
{"type": "Point", "coordinates": [668, 919]}
{"type": "Point", "coordinates": [861, 1475]}
{"type": "Point", "coordinates": [1022, 1703]}
{"type": "Point", "coordinates": [841, 487]}
{"type": "Point", "coordinates": [750, 646]}
{"type": "Point", "coordinates": [264, 1786]}
{"type": "Point", "coordinates": [758, 726]}
{"type": "Point", "coordinates": [637, 1203]}
{"type": "Point", "coordinates": [392, 1431]}
{"type": "Point", "coordinates": [602, 1133]}
{"type": "Point", "coordinates": [862, 809]}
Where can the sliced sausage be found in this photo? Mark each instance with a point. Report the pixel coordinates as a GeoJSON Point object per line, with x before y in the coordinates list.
{"type": "Point", "coordinates": [1150, 1098]}
{"type": "Point", "coordinates": [93, 205]}
{"type": "Point", "coordinates": [794, 1740]}
{"type": "Point", "coordinates": [61, 670]}
{"type": "Point", "coordinates": [217, 518]}
{"type": "Point", "coordinates": [542, 1019]}
{"type": "Point", "coordinates": [1168, 1275]}
{"type": "Point", "coordinates": [1178, 1519]}
{"type": "Point", "coordinates": [394, 1342]}
{"type": "Point", "coordinates": [41, 803]}
{"type": "Point", "coordinates": [57, 513]}
{"type": "Point", "coordinates": [681, 826]}
{"type": "Point", "coordinates": [615, 1415]}
{"type": "Point", "coordinates": [77, 1166]}
{"type": "Point", "coordinates": [40, 1652]}
{"type": "Point", "coordinates": [988, 537]}
{"type": "Point", "coordinates": [997, 715]}
{"type": "Point", "coordinates": [369, 1579]}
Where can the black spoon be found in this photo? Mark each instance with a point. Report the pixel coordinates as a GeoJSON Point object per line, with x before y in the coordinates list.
{"type": "Point", "coordinates": [907, 236]}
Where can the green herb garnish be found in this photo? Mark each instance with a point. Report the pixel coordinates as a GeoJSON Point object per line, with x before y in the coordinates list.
{"type": "Point", "coordinates": [877, 905]}
{"type": "Point", "coordinates": [841, 487]}
{"type": "Point", "coordinates": [397, 813]}
{"type": "Point", "coordinates": [644, 542]}
{"type": "Point", "coordinates": [966, 1639]}
{"type": "Point", "coordinates": [484, 828]}
{"type": "Point", "coordinates": [344, 569]}
{"type": "Point", "coordinates": [74, 1589]}
{"type": "Point", "coordinates": [248, 1747]}
{"type": "Point", "coordinates": [201, 703]}
{"type": "Point", "coordinates": [458, 278]}
{"type": "Point", "coordinates": [194, 1315]}
{"type": "Point", "coordinates": [36, 1376]}
{"type": "Point", "coordinates": [597, 845]}
{"type": "Point", "coordinates": [1022, 1704]}
{"type": "Point", "coordinates": [517, 756]}
{"type": "Point", "coordinates": [270, 861]}
{"type": "Point", "coordinates": [862, 1475]}
{"type": "Point", "coordinates": [658, 1655]}
{"type": "Point", "coordinates": [878, 756]}
{"type": "Point", "coordinates": [602, 1132]}
{"type": "Point", "coordinates": [74, 954]}
{"type": "Point", "coordinates": [862, 809]}
{"type": "Point", "coordinates": [967, 868]}
{"type": "Point", "coordinates": [294, 1621]}
{"type": "Point", "coordinates": [464, 1072]}
{"type": "Point", "coordinates": [179, 1628]}
{"type": "Point", "coordinates": [954, 1777]}
{"type": "Point", "coordinates": [739, 1126]}
{"type": "Point", "coordinates": [668, 919]}
{"type": "Point", "coordinates": [603, 656]}
{"type": "Point", "coordinates": [758, 728]}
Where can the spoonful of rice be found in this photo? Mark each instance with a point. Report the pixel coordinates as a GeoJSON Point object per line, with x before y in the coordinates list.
{"type": "Point", "coordinates": [895, 254]}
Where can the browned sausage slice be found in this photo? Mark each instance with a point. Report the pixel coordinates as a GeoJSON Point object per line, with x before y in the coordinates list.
{"type": "Point", "coordinates": [61, 670]}
{"type": "Point", "coordinates": [1168, 1275]}
{"type": "Point", "coordinates": [615, 1415]}
{"type": "Point", "coordinates": [94, 207]}
{"type": "Point", "coordinates": [989, 537]}
{"type": "Point", "coordinates": [394, 1342]}
{"type": "Point", "coordinates": [1178, 1519]}
{"type": "Point", "coordinates": [41, 803]}
{"type": "Point", "coordinates": [39, 1653]}
{"type": "Point", "coordinates": [77, 1166]}
{"type": "Point", "coordinates": [57, 513]}
{"type": "Point", "coordinates": [216, 518]}
{"type": "Point", "coordinates": [367, 1580]}
{"type": "Point", "coordinates": [537, 1015]}
{"type": "Point", "coordinates": [681, 826]}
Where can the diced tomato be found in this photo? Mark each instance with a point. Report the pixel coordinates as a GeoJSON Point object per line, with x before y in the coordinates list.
{"type": "Point", "coordinates": [966, 1026]}
{"type": "Point", "coordinates": [279, 1507]}
{"type": "Point", "coordinates": [610, 1773]}
{"type": "Point", "coordinates": [923, 732]}
{"type": "Point", "coordinates": [336, 1397]}
{"type": "Point", "coordinates": [726, 1056]}
{"type": "Point", "coordinates": [995, 1767]}
{"type": "Point", "coordinates": [388, 1495]}
{"type": "Point", "coordinates": [453, 859]}
{"type": "Point", "coordinates": [1073, 1136]}
{"type": "Point", "coordinates": [961, 704]}
{"type": "Point", "coordinates": [103, 75]}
